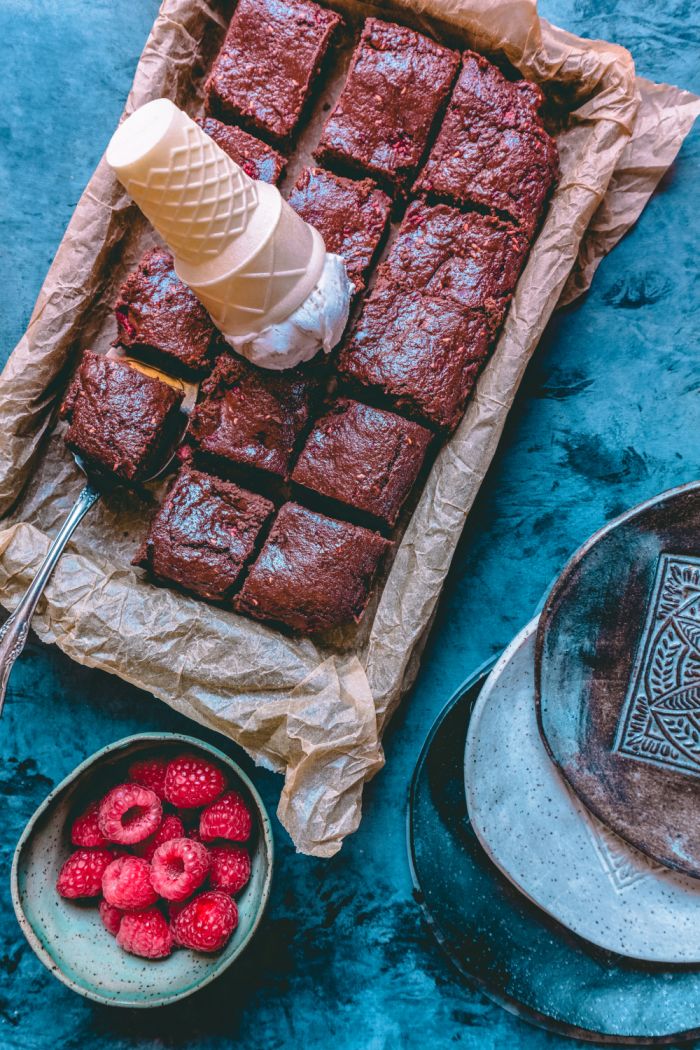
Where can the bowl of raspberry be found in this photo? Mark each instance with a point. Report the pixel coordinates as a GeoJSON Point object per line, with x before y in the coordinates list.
{"type": "Point", "coordinates": [146, 872]}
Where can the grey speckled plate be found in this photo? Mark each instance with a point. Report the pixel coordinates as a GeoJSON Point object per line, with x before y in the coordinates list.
{"type": "Point", "coordinates": [511, 950]}
{"type": "Point", "coordinates": [618, 676]}
{"type": "Point", "coordinates": [68, 936]}
{"type": "Point", "coordinates": [539, 834]}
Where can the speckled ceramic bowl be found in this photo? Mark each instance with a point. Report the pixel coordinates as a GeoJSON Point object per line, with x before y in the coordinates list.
{"type": "Point", "coordinates": [68, 936]}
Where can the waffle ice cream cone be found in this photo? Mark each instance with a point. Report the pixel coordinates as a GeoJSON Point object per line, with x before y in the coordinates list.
{"type": "Point", "coordinates": [248, 256]}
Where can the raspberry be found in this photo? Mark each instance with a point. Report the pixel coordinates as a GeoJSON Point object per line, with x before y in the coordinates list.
{"type": "Point", "coordinates": [207, 922]}
{"type": "Point", "coordinates": [170, 828]}
{"type": "Point", "coordinates": [193, 834]}
{"type": "Point", "coordinates": [145, 933]}
{"type": "Point", "coordinates": [86, 830]}
{"type": "Point", "coordinates": [126, 884]}
{"type": "Point", "coordinates": [179, 867]}
{"type": "Point", "coordinates": [150, 773]}
{"type": "Point", "coordinates": [230, 868]}
{"type": "Point", "coordinates": [111, 917]}
{"type": "Point", "coordinates": [227, 818]}
{"type": "Point", "coordinates": [81, 875]}
{"type": "Point", "coordinates": [129, 814]}
{"type": "Point", "coordinates": [192, 781]}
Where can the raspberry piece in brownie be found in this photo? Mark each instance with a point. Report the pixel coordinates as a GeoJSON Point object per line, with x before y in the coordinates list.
{"type": "Point", "coordinates": [397, 83]}
{"type": "Point", "coordinates": [252, 417]}
{"type": "Point", "coordinates": [492, 149]}
{"type": "Point", "coordinates": [363, 457]}
{"type": "Point", "coordinates": [423, 354]}
{"type": "Point", "coordinates": [474, 260]}
{"type": "Point", "coordinates": [161, 319]}
{"type": "Point", "coordinates": [351, 216]}
{"type": "Point", "coordinates": [257, 159]}
{"type": "Point", "coordinates": [313, 572]}
{"type": "Point", "coordinates": [269, 61]}
{"type": "Point", "coordinates": [204, 534]}
{"type": "Point", "coordinates": [121, 420]}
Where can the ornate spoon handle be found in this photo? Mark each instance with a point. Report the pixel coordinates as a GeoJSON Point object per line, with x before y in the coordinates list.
{"type": "Point", "coordinates": [13, 633]}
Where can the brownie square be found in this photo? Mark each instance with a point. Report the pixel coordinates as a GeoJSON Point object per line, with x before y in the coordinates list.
{"type": "Point", "coordinates": [364, 457]}
{"type": "Point", "coordinates": [121, 420]}
{"type": "Point", "coordinates": [397, 84]}
{"type": "Point", "coordinates": [257, 159]}
{"type": "Point", "coordinates": [421, 353]}
{"type": "Point", "coordinates": [204, 534]}
{"type": "Point", "coordinates": [158, 317]}
{"type": "Point", "coordinates": [474, 260]}
{"type": "Point", "coordinates": [492, 149]}
{"type": "Point", "coordinates": [313, 573]}
{"type": "Point", "coordinates": [252, 417]}
{"type": "Point", "coordinates": [351, 216]}
{"type": "Point", "coordinates": [268, 63]}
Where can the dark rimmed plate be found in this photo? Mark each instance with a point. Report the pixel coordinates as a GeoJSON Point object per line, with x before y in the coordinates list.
{"type": "Point", "coordinates": [618, 676]}
{"type": "Point", "coordinates": [511, 950]}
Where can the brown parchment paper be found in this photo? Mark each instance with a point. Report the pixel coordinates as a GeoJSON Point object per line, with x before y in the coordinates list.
{"type": "Point", "coordinates": [314, 711]}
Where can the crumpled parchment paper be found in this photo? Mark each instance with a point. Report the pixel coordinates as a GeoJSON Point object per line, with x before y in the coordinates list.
{"type": "Point", "coordinates": [313, 710]}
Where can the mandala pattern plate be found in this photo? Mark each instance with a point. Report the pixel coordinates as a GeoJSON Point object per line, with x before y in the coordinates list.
{"type": "Point", "coordinates": [618, 677]}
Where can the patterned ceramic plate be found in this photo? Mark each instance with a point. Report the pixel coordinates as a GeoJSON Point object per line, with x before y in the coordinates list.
{"type": "Point", "coordinates": [501, 942]}
{"type": "Point", "coordinates": [618, 676]}
{"type": "Point", "coordinates": [539, 834]}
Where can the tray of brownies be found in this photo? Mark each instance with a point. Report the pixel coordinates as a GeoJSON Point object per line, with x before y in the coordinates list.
{"type": "Point", "coordinates": [347, 352]}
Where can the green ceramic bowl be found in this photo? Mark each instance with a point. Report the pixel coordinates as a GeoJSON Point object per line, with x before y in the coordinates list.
{"type": "Point", "coordinates": [68, 936]}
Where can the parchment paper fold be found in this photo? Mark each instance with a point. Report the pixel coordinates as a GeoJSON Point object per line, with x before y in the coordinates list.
{"type": "Point", "coordinates": [314, 711]}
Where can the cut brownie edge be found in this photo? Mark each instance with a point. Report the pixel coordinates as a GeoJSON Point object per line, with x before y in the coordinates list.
{"type": "Point", "coordinates": [417, 354]}
{"type": "Point", "coordinates": [265, 72]}
{"type": "Point", "coordinates": [121, 421]}
{"type": "Point", "coordinates": [362, 461]}
{"type": "Point", "coordinates": [397, 85]}
{"type": "Point", "coordinates": [204, 535]}
{"type": "Point", "coordinates": [160, 320]}
{"type": "Point", "coordinates": [314, 573]}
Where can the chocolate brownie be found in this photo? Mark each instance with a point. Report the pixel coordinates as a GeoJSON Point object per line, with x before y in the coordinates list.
{"type": "Point", "coordinates": [252, 417]}
{"type": "Point", "coordinates": [313, 572]}
{"type": "Point", "coordinates": [474, 260]}
{"type": "Point", "coordinates": [351, 216]}
{"type": "Point", "coordinates": [160, 318]}
{"type": "Point", "coordinates": [363, 457]}
{"type": "Point", "coordinates": [121, 420]}
{"type": "Point", "coordinates": [492, 149]}
{"type": "Point", "coordinates": [268, 63]}
{"type": "Point", "coordinates": [204, 534]}
{"type": "Point", "coordinates": [421, 353]}
{"type": "Point", "coordinates": [257, 159]}
{"type": "Point", "coordinates": [396, 86]}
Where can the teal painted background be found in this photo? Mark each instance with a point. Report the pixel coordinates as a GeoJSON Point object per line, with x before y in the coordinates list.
{"type": "Point", "coordinates": [608, 415]}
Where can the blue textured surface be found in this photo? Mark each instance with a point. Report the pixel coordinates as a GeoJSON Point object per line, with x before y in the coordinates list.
{"type": "Point", "coordinates": [608, 415]}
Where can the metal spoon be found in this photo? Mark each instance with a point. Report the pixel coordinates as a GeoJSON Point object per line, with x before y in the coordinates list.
{"type": "Point", "coordinates": [15, 630]}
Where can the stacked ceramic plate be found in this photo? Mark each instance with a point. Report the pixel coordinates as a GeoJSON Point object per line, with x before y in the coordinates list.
{"type": "Point", "coordinates": [582, 790]}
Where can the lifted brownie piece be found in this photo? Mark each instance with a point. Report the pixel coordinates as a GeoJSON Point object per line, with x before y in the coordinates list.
{"type": "Point", "coordinates": [313, 573]}
{"type": "Point", "coordinates": [257, 159]}
{"type": "Point", "coordinates": [267, 65]}
{"type": "Point", "coordinates": [121, 420]}
{"type": "Point", "coordinates": [160, 318]}
{"type": "Point", "coordinates": [421, 353]}
{"type": "Point", "coordinates": [204, 534]}
{"type": "Point", "coordinates": [492, 149]}
{"type": "Point", "coordinates": [397, 83]}
{"type": "Point", "coordinates": [474, 260]}
{"type": "Point", "coordinates": [351, 216]}
{"type": "Point", "coordinates": [363, 457]}
{"type": "Point", "coordinates": [252, 417]}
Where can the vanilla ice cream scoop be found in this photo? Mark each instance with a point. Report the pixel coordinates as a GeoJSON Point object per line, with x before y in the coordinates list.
{"type": "Point", "coordinates": [263, 273]}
